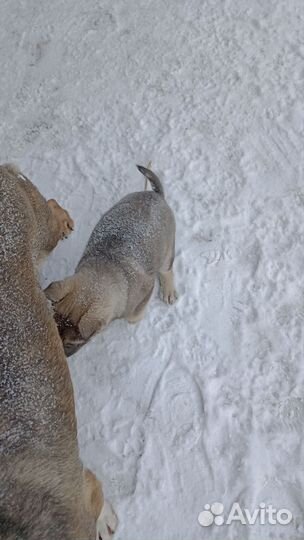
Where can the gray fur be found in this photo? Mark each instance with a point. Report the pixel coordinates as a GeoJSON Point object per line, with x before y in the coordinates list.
{"type": "Point", "coordinates": [130, 245]}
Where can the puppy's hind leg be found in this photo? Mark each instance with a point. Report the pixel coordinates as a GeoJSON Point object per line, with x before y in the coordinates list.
{"type": "Point", "coordinates": [167, 289]}
{"type": "Point", "coordinates": [166, 278]}
{"type": "Point", "coordinates": [139, 311]}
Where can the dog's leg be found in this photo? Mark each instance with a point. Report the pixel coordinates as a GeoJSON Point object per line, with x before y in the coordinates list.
{"type": "Point", "coordinates": [136, 316]}
{"type": "Point", "coordinates": [168, 293]}
{"type": "Point", "coordinates": [100, 509]}
{"type": "Point", "coordinates": [139, 312]}
{"type": "Point", "coordinates": [166, 277]}
{"type": "Point", "coordinates": [106, 523]}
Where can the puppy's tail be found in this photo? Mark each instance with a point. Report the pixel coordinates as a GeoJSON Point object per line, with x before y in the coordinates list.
{"type": "Point", "coordinates": [153, 179]}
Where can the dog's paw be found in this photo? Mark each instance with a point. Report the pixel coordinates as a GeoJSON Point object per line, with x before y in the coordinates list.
{"type": "Point", "coordinates": [106, 523]}
{"type": "Point", "coordinates": [169, 296]}
{"type": "Point", "coordinates": [64, 221]}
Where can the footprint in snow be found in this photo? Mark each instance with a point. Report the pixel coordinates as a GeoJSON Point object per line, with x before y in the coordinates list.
{"type": "Point", "coordinates": [182, 408]}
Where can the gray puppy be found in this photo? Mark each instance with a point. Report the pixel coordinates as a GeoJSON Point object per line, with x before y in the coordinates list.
{"type": "Point", "coordinates": [130, 245]}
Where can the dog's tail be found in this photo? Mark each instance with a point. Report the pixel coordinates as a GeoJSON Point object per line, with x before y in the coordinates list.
{"type": "Point", "coordinates": [153, 179]}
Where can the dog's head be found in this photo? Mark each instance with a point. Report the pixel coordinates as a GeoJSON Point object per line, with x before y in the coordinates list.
{"type": "Point", "coordinates": [70, 335]}
{"type": "Point", "coordinates": [78, 315]}
{"type": "Point", "coordinates": [74, 336]}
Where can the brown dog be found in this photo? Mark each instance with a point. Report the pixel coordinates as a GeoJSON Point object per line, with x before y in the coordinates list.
{"type": "Point", "coordinates": [45, 493]}
{"type": "Point", "coordinates": [131, 244]}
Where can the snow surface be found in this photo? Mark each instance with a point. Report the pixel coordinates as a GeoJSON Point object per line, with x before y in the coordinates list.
{"type": "Point", "coordinates": [202, 401]}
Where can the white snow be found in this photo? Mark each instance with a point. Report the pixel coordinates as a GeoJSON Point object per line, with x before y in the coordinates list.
{"type": "Point", "coordinates": [204, 401]}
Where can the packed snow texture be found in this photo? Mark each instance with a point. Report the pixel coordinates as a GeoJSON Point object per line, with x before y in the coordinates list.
{"type": "Point", "coordinates": [202, 401]}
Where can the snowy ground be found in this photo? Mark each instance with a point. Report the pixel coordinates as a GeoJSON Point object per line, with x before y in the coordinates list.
{"type": "Point", "coordinates": [203, 401]}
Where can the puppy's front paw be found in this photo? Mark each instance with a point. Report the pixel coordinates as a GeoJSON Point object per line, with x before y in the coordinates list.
{"type": "Point", "coordinates": [106, 523]}
{"type": "Point", "coordinates": [65, 224]}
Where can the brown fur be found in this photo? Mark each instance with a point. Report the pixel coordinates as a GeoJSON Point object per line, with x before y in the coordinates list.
{"type": "Point", "coordinates": [44, 491]}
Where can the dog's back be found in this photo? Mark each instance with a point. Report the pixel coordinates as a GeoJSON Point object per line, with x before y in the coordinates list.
{"type": "Point", "coordinates": [41, 492]}
{"type": "Point", "coordinates": [30, 384]}
{"type": "Point", "coordinates": [133, 229]}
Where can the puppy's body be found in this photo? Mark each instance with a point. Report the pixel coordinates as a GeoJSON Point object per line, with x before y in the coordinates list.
{"type": "Point", "coordinates": [43, 487]}
{"type": "Point", "coordinates": [130, 245]}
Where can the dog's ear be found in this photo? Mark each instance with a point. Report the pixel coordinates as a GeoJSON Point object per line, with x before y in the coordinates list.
{"type": "Point", "coordinates": [61, 219]}
{"type": "Point", "coordinates": [90, 324]}
{"type": "Point", "coordinates": [53, 205]}
{"type": "Point", "coordinates": [57, 290]}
